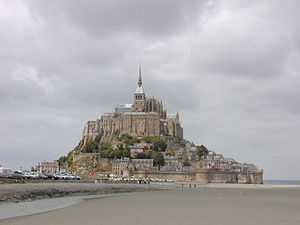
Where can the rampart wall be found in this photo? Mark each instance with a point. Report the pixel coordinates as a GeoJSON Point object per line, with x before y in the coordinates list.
{"type": "Point", "coordinates": [205, 176]}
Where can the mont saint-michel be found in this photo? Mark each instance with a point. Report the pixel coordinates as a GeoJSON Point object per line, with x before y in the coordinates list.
{"type": "Point", "coordinates": [143, 140]}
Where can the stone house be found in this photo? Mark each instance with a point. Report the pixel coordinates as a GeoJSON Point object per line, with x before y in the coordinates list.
{"type": "Point", "coordinates": [134, 150]}
{"type": "Point", "coordinates": [120, 165]}
{"type": "Point", "coordinates": [142, 164]}
{"type": "Point", "coordinates": [49, 167]}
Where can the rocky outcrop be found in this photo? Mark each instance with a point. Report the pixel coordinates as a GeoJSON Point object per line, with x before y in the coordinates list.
{"type": "Point", "coordinates": [91, 162]}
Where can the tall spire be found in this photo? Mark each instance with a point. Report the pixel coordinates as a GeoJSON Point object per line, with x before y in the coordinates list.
{"type": "Point", "coordinates": [140, 76]}
{"type": "Point", "coordinates": [139, 89]}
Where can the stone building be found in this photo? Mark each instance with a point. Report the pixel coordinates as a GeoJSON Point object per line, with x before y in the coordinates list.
{"type": "Point", "coordinates": [136, 149]}
{"type": "Point", "coordinates": [120, 165]}
{"type": "Point", "coordinates": [49, 167]}
{"type": "Point", "coordinates": [145, 117]}
{"type": "Point", "coordinates": [142, 164]}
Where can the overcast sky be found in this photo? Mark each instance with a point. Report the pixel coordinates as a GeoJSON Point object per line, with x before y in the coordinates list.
{"type": "Point", "coordinates": [231, 68]}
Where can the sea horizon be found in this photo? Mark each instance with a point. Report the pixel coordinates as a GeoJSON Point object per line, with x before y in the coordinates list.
{"type": "Point", "coordinates": [281, 182]}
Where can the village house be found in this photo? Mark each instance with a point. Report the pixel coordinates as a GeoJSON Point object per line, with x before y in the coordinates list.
{"type": "Point", "coordinates": [142, 164]}
{"type": "Point", "coordinates": [49, 167]}
{"type": "Point", "coordinates": [119, 165]}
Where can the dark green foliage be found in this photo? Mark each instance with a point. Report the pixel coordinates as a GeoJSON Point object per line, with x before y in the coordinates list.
{"type": "Point", "coordinates": [112, 154]}
{"type": "Point", "coordinates": [108, 153]}
{"type": "Point", "coordinates": [158, 144]}
{"type": "Point", "coordinates": [62, 160]}
{"type": "Point", "coordinates": [122, 152]}
{"type": "Point", "coordinates": [201, 150]}
{"type": "Point", "coordinates": [172, 153]}
{"type": "Point", "coordinates": [105, 153]}
{"type": "Point", "coordinates": [98, 138]}
{"type": "Point", "coordinates": [129, 140]}
{"type": "Point", "coordinates": [121, 147]}
{"type": "Point", "coordinates": [119, 153]}
{"type": "Point", "coordinates": [117, 132]}
{"type": "Point", "coordinates": [181, 142]}
{"type": "Point", "coordinates": [149, 154]}
{"type": "Point", "coordinates": [90, 146]}
{"type": "Point", "coordinates": [150, 139]}
{"type": "Point", "coordinates": [166, 134]}
{"type": "Point", "coordinates": [158, 159]}
{"type": "Point", "coordinates": [126, 153]}
{"type": "Point", "coordinates": [105, 146]}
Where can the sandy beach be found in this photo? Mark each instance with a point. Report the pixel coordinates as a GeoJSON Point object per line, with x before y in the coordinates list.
{"type": "Point", "coordinates": [205, 204]}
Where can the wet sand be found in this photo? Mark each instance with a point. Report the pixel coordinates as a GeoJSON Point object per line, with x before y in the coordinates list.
{"type": "Point", "coordinates": [210, 205]}
{"type": "Point", "coordinates": [34, 191]}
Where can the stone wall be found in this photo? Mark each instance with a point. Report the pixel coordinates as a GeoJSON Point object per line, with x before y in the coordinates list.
{"type": "Point", "coordinates": [176, 176]}
{"type": "Point", "coordinates": [250, 178]}
{"type": "Point", "coordinates": [205, 176]}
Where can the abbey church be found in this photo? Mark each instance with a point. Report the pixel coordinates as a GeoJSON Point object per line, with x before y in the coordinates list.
{"type": "Point", "coordinates": [144, 117]}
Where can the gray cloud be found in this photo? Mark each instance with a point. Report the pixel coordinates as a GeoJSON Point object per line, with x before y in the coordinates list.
{"type": "Point", "coordinates": [230, 67]}
{"type": "Point", "coordinates": [154, 18]}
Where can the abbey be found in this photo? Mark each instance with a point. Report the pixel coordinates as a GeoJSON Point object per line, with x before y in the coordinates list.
{"type": "Point", "coordinates": [145, 117]}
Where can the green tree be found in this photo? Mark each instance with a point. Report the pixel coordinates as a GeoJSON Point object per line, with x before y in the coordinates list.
{"type": "Point", "coordinates": [121, 147]}
{"type": "Point", "coordinates": [159, 145]}
{"type": "Point", "coordinates": [112, 154]}
{"type": "Point", "coordinates": [202, 150]}
{"type": "Point", "coordinates": [105, 153]}
{"type": "Point", "coordinates": [62, 160]}
{"type": "Point", "coordinates": [158, 159]}
{"type": "Point", "coordinates": [148, 139]}
{"type": "Point", "coordinates": [105, 145]}
{"type": "Point", "coordinates": [149, 154]}
{"type": "Point", "coordinates": [166, 134]}
{"type": "Point", "coordinates": [117, 132]}
{"type": "Point", "coordinates": [181, 142]}
{"type": "Point", "coordinates": [98, 138]}
{"type": "Point", "coordinates": [126, 152]}
{"type": "Point", "coordinates": [126, 138]}
{"type": "Point", "coordinates": [91, 146]}
{"type": "Point", "coordinates": [172, 153]}
{"type": "Point", "coordinates": [119, 153]}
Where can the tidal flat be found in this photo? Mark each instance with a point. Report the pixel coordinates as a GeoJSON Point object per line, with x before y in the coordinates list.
{"type": "Point", "coordinates": [205, 204]}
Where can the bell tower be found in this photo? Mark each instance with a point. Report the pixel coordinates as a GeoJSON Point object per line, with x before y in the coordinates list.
{"type": "Point", "coordinates": [139, 95]}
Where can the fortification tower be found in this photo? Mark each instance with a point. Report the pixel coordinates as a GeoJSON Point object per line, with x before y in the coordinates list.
{"type": "Point", "coordinates": [139, 95]}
